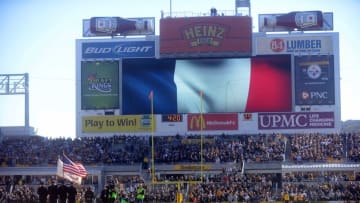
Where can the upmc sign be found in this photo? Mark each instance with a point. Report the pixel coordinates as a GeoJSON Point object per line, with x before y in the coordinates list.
{"type": "Point", "coordinates": [197, 122]}
{"type": "Point", "coordinates": [305, 120]}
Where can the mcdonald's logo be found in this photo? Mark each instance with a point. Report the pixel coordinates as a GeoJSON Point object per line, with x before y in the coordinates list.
{"type": "Point", "coordinates": [207, 122]}
{"type": "Point", "coordinates": [197, 122]}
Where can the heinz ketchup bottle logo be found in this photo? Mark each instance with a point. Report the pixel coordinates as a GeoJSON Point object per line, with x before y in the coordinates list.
{"type": "Point", "coordinates": [277, 45]}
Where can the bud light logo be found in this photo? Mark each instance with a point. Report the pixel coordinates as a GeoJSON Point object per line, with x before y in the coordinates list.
{"type": "Point", "coordinates": [116, 50]}
{"type": "Point", "coordinates": [277, 45]}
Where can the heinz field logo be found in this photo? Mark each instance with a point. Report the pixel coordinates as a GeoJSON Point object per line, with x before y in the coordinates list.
{"type": "Point", "coordinates": [205, 34]}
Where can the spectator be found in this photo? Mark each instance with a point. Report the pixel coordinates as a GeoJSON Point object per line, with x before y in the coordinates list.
{"type": "Point", "coordinates": [62, 192]}
{"type": "Point", "coordinates": [104, 196]}
{"type": "Point", "coordinates": [140, 194]}
{"type": "Point", "coordinates": [89, 195]}
{"type": "Point", "coordinates": [71, 193]}
{"type": "Point", "coordinates": [42, 191]}
{"type": "Point", "coordinates": [53, 192]}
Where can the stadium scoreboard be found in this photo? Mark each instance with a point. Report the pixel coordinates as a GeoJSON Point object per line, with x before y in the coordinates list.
{"type": "Point", "coordinates": [269, 83]}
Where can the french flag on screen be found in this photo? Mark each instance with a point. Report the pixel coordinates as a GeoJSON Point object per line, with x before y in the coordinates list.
{"type": "Point", "coordinates": [257, 84]}
{"type": "Point", "coordinates": [261, 84]}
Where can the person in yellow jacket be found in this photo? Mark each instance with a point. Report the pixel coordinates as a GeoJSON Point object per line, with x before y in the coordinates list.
{"type": "Point", "coordinates": [179, 197]}
{"type": "Point", "coordinates": [286, 197]}
{"type": "Point", "coordinates": [140, 194]}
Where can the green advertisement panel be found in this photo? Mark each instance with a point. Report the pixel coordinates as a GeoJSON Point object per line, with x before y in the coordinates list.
{"type": "Point", "coordinates": [99, 84]}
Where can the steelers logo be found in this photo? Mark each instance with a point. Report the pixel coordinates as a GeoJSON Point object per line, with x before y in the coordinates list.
{"type": "Point", "coordinates": [305, 95]}
{"type": "Point", "coordinates": [314, 71]}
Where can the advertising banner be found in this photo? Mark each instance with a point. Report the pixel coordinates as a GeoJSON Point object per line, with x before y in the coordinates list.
{"type": "Point", "coordinates": [113, 26]}
{"type": "Point", "coordinates": [106, 124]}
{"type": "Point", "coordinates": [191, 167]}
{"type": "Point", "coordinates": [99, 85]}
{"type": "Point", "coordinates": [118, 50]}
{"type": "Point", "coordinates": [293, 45]}
{"type": "Point", "coordinates": [293, 21]}
{"type": "Point", "coordinates": [314, 80]}
{"type": "Point", "coordinates": [197, 122]}
{"type": "Point", "coordinates": [205, 37]}
{"type": "Point", "coordinates": [304, 120]}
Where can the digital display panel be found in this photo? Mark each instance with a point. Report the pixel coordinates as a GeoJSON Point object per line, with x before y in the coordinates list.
{"type": "Point", "coordinates": [314, 76]}
{"type": "Point", "coordinates": [257, 84]}
{"type": "Point", "coordinates": [171, 118]}
{"type": "Point", "coordinates": [99, 85]}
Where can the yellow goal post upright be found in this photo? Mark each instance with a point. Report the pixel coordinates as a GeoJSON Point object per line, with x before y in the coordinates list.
{"type": "Point", "coordinates": [153, 171]}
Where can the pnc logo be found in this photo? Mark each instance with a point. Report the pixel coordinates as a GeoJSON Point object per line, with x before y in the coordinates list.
{"type": "Point", "coordinates": [305, 95]}
{"type": "Point", "coordinates": [205, 34]}
{"type": "Point", "coordinates": [277, 45]}
{"type": "Point", "coordinates": [314, 95]}
{"type": "Point", "coordinates": [197, 122]}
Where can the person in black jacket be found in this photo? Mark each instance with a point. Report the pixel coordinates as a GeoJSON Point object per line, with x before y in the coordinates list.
{"type": "Point", "coordinates": [89, 195]}
{"type": "Point", "coordinates": [105, 194]}
{"type": "Point", "coordinates": [53, 192]}
{"type": "Point", "coordinates": [42, 191]}
{"type": "Point", "coordinates": [62, 192]}
{"type": "Point", "coordinates": [71, 193]}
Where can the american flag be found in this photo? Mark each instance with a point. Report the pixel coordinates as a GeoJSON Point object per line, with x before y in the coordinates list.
{"type": "Point", "coordinates": [73, 168]}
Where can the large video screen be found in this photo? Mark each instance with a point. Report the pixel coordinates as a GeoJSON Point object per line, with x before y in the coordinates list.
{"type": "Point", "coordinates": [99, 85]}
{"type": "Point", "coordinates": [257, 84]}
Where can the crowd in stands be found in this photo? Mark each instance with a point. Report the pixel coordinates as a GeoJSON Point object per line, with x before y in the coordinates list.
{"type": "Point", "coordinates": [325, 186]}
{"type": "Point", "coordinates": [231, 185]}
{"type": "Point", "coordinates": [316, 147]}
{"type": "Point", "coordinates": [220, 149]}
{"type": "Point", "coordinates": [40, 151]}
{"type": "Point", "coordinates": [353, 147]}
